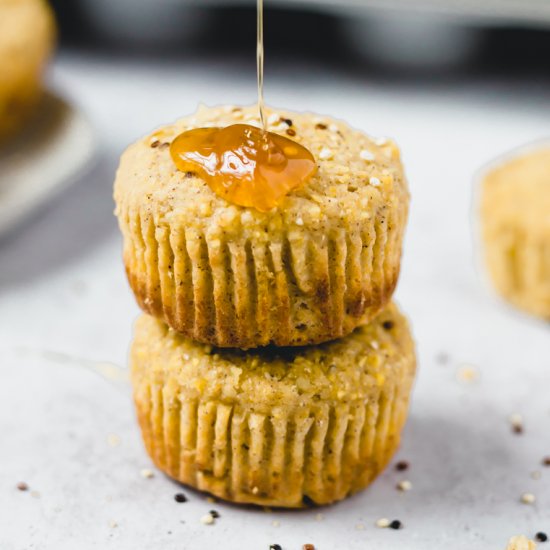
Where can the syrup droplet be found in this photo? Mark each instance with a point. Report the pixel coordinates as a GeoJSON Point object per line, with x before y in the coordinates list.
{"type": "Point", "coordinates": [244, 164]}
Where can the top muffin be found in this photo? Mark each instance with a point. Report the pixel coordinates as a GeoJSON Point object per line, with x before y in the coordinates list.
{"type": "Point", "coordinates": [27, 33]}
{"type": "Point", "coordinates": [321, 263]}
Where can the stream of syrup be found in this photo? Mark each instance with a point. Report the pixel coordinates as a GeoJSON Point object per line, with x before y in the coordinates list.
{"type": "Point", "coordinates": [260, 59]}
{"type": "Point", "coordinates": [244, 164]}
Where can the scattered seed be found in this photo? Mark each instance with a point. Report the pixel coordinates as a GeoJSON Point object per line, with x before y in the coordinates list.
{"type": "Point", "coordinates": [395, 524]}
{"type": "Point", "coordinates": [517, 429]}
{"type": "Point", "coordinates": [319, 517]}
{"type": "Point", "coordinates": [113, 440]}
{"type": "Point", "coordinates": [180, 497]}
{"type": "Point", "coordinates": [22, 486]}
{"type": "Point", "coordinates": [325, 153]}
{"type": "Point", "coordinates": [146, 473]}
{"type": "Point", "coordinates": [383, 523]}
{"type": "Point", "coordinates": [516, 421]}
{"type": "Point", "coordinates": [321, 126]}
{"type": "Point", "coordinates": [521, 543]}
{"type": "Point", "coordinates": [308, 547]}
{"type": "Point", "coordinates": [275, 523]}
{"type": "Point", "coordinates": [375, 182]}
{"type": "Point", "coordinates": [214, 513]}
{"type": "Point", "coordinates": [207, 519]}
{"type": "Point", "coordinates": [291, 132]}
{"type": "Point", "coordinates": [404, 485]}
{"type": "Point", "coordinates": [365, 154]}
{"type": "Point", "coordinates": [387, 325]}
{"type": "Point", "coordinates": [528, 498]}
{"type": "Point", "coordinates": [546, 461]}
{"type": "Point", "coordinates": [467, 373]}
{"type": "Point", "coordinates": [275, 547]}
{"type": "Point", "coordinates": [35, 494]}
{"type": "Point", "coordinates": [155, 143]}
{"type": "Point", "coordinates": [541, 537]}
{"type": "Point", "coordinates": [402, 465]}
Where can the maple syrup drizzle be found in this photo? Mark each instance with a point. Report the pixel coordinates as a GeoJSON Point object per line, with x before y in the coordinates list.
{"type": "Point", "coordinates": [260, 59]}
{"type": "Point", "coordinates": [245, 165]}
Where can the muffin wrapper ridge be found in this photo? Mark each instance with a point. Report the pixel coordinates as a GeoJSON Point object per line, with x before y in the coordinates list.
{"type": "Point", "coordinates": [297, 289]}
{"type": "Point", "coordinates": [324, 453]}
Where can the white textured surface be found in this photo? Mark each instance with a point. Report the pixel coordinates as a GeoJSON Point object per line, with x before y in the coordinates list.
{"type": "Point", "coordinates": [62, 289]}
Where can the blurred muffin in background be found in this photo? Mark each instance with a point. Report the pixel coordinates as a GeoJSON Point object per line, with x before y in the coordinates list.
{"type": "Point", "coordinates": [27, 36]}
{"type": "Point", "coordinates": [515, 217]}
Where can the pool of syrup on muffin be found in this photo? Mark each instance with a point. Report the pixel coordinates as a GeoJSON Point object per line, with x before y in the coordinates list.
{"type": "Point", "coordinates": [244, 164]}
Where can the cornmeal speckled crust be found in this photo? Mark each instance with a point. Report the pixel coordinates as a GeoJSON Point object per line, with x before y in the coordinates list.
{"type": "Point", "coordinates": [322, 263]}
{"type": "Point", "coordinates": [27, 34]}
{"type": "Point", "coordinates": [274, 426]}
{"type": "Point", "coordinates": [515, 214]}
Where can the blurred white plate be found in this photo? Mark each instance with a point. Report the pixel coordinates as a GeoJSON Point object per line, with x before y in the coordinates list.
{"type": "Point", "coordinates": [56, 146]}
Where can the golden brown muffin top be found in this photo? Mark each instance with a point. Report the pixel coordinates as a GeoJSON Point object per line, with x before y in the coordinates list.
{"type": "Point", "coordinates": [343, 370]}
{"type": "Point", "coordinates": [357, 175]}
{"type": "Point", "coordinates": [27, 31]}
{"type": "Point", "coordinates": [519, 189]}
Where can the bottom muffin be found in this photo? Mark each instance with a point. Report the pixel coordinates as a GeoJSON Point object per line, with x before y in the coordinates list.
{"type": "Point", "coordinates": [274, 426]}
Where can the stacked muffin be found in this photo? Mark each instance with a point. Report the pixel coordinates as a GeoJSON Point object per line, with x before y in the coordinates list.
{"type": "Point", "coordinates": [270, 366]}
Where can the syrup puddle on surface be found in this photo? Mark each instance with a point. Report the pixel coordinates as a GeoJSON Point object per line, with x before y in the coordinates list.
{"type": "Point", "coordinates": [243, 164]}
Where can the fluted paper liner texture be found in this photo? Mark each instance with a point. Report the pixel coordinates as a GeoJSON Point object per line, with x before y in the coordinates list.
{"type": "Point", "coordinates": [274, 427]}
